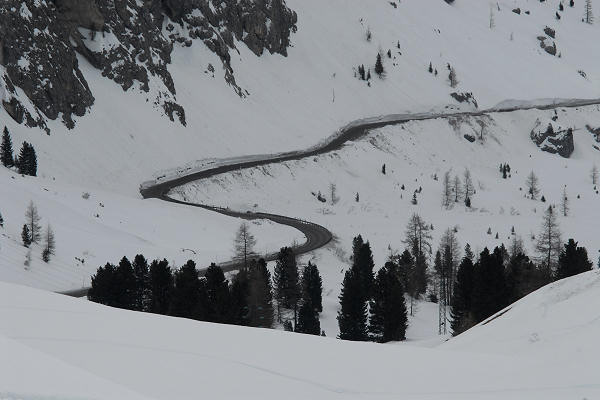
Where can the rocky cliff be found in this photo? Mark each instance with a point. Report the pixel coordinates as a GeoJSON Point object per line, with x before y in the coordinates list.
{"type": "Point", "coordinates": [129, 41]}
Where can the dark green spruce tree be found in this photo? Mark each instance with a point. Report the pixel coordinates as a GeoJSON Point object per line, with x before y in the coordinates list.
{"type": "Point", "coordinates": [352, 316]}
{"type": "Point", "coordinates": [490, 293]}
{"type": "Point", "coordinates": [379, 66]}
{"type": "Point", "coordinates": [217, 291]}
{"type": "Point", "coordinates": [363, 266]}
{"type": "Point", "coordinates": [189, 298]}
{"type": "Point", "coordinates": [161, 287]}
{"type": "Point", "coordinates": [388, 321]}
{"type": "Point", "coordinates": [6, 150]}
{"type": "Point", "coordinates": [460, 312]}
{"type": "Point", "coordinates": [239, 293]}
{"type": "Point", "coordinates": [308, 318]}
{"type": "Point", "coordinates": [141, 296]}
{"type": "Point", "coordinates": [573, 260]}
{"type": "Point", "coordinates": [286, 280]}
{"type": "Point", "coordinates": [126, 284]}
{"type": "Point", "coordinates": [26, 236]}
{"type": "Point", "coordinates": [105, 286]}
{"type": "Point", "coordinates": [260, 305]}
{"type": "Point", "coordinates": [27, 161]}
{"type": "Point", "coordinates": [312, 286]}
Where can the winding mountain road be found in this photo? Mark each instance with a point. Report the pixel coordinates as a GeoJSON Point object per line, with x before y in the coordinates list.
{"type": "Point", "coordinates": [316, 235]}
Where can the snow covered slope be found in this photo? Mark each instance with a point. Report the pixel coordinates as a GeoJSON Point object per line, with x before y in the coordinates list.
{"type": "Point", "coordinates": [297, 100]}
{"type": "Point", "coordinates": [121, 354]}
{"type": "Point", "coordinates": [559, 323]}
{"type": "Point", "coordinates": [107, 226]}
{"type": "Point", "coordinates": [415, 154]}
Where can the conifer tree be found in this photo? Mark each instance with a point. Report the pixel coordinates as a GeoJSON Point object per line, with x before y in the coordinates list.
{"type": "Point", "coordinates": [286, 281]}
{"type": "Point", "coordinates": [468, 184]}
{"type": "Point", "coordinates": [573, 260]}
{"type": "Point", "coordinates": [532, 185]}
{"type": "Point", "coordinates": [523, 277]}
{"type": "Point", "coordinates": [49, 244]}
{"type": "Point", "coordinates": [418, 239]}
{"type": "Point", "coordinates": [27, 162]}
{"type": "Point", "coordinates": [217, 291]}
{"type": "Point", "coordinates": [244, 245]}
{"type": "Point", "coordinates": [25, 236]}
{"type": "Point", "coordinates": [388, 319]}
{"type": "Point", "coordinates": [451, 257]}
{"type": "Point", "coordinates": [105, 286]}
{"type": "Point", "coordinates": [379, 66]}
{"type": "Point", "coordinates": [32, 219]}
{"type": "Point", "coordinates": [238, 295]}
{"type": "Point", "coordinates": [363, 266]}
{"type": "Point", "coordinates": [141, 295]}
{"type": "Point", "coordinates": [352, 316]}
{"type": "Point", "coordinates": [161, 287]}
{"type": "Point", "coordinates": [259, 301]}
{"type": "Point", "coordinates": [357, 243]}
{"type": "Point", "coordinates": [308, 319]}
{"type": "Point", "coordinates": [126, 285]}
{"type": "Point", "coordinates": [564, 204]}
{"type": "Point", "coordinates": [312, 286]}
{"type": "Point", "coordinates": [461, 314]}
{"type": "Point", "coordinates": [6, 150]}
{"type": "Point", "coordinates": [457, 189]}
{"type": "Point", "coordinates": [189, 298]}
{"type": "Point", "coordinates": [549, 243]}
{"type": "Point", "coordinates": [489, 291]}
{"type": "Point", "coordinates": [447, 190]}
{"type": "Point", "coordinates": [407, 272]}
{"type": "Point", "coordinates": [588, 15]}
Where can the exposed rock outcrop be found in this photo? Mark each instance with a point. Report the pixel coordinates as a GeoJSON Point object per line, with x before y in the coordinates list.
{"type": "Point", "coordinates": [129, 41]}
{"type": "Point", "coordinates": [556, 141]}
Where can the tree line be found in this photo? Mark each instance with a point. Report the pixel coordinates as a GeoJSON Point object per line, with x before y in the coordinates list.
{"type": "Point", "coordinates": [249, 299]}
{"type": "Point", "coordinates": [468, 289]}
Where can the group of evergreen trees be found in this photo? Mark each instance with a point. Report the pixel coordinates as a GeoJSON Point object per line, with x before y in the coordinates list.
{"type": "Point", "coordinates": [372, 306]}
{"type": "Point", "coordinates": [155, 287]}
{"type": "Point", "coordinates": [247, 300]}
{"type": "Point", "coordinates": [365, 75]}
{"type": "Point", "coordinates": [505, 170]}
{"type": "Point", "coordinates": [26, 162]}
{"type": "Point", "coordinates": [499, 278]}
{"type": "Point", "coordinates": [299, 293]}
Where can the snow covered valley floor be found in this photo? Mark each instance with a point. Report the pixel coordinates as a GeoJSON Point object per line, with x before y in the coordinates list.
{"type": "Point", "coordinates": [56, 347]}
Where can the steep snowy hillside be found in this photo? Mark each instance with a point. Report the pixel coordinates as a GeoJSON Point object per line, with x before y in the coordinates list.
{"type": "Point", "coordinates": [417, 154]}
{"type": "Point", "coordinates": [291, 98]}
{"type": "Point", "coordinates": [120, 354]}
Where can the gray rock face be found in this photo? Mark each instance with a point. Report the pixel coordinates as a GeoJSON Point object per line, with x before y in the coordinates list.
{"type": "Point", "coordinates": [40, 40]}
{"type": "Point", "coordinates": [83, 13]}
{"type": "Point", "coordinates": [559, 141]}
